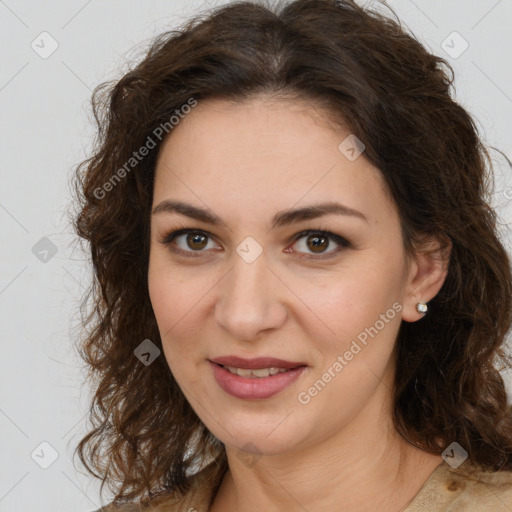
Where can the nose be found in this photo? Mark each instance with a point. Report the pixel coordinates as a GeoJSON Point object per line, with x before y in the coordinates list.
{"type": "Point", "coordinates": [251, 300]}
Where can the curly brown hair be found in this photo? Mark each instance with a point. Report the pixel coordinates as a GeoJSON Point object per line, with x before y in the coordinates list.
{"type": "Point", "coordinates": [378, 80]}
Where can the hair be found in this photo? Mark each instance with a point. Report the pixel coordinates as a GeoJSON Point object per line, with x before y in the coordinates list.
{"type": "Point", "coordinates": [369, 74]}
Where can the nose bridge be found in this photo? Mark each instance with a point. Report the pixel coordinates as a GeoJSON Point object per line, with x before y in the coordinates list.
{"type": "Point", "coordinates": [248, 301]}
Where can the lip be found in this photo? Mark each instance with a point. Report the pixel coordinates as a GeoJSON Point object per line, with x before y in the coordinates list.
{"type": "Point", "coordinates": [258, 362]}
{"type": "Point", "coordinates": [248, 388]}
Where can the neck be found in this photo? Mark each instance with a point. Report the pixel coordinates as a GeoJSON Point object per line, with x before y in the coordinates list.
{"type": "Point", "coordinates": [365, 465]}
{"type": "Point", "coordinates": [358, 485]}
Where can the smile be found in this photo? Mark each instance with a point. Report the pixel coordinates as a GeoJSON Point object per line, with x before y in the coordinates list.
{"type": "Point", "coordinates": [255, 383]}
{"type": "Point", "coordinates": [256, 373]}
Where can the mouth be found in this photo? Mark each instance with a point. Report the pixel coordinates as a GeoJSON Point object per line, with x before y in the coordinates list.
{"type": "Point", "coordinates": [257, 363]}
{"type": "Point", "coordinates": [264, 378]}
{"type": "Point", "coordinates": [256, 373]}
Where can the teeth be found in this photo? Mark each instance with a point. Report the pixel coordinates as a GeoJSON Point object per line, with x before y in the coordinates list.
{"type": "Point", "coordinates": [241, 371]}
{"type": "Point", "coordinates": [256, 373]}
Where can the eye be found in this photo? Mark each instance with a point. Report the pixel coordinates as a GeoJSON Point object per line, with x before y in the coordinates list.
{"type": "Point", "coordinates": [195, 240]}
{"type": "Point", "coordinates": [318, 242]}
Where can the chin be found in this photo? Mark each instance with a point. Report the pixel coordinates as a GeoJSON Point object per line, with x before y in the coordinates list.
{"type": "Point", "coordinates": [265, 438]}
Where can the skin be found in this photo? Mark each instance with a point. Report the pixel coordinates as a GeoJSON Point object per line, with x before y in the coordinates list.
{"type": "Point", "coordinates": [245, 162]}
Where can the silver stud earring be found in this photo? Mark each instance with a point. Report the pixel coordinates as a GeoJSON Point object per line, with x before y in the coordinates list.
{"type": "Point", "coordinates": [421, 307]}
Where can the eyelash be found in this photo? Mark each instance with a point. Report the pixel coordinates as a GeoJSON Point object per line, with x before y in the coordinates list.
{"type": "Point", "coordinates": [170, 236]}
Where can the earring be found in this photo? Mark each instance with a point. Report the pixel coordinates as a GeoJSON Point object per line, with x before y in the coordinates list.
{"type": "Point", "coordinates": [421, 307]}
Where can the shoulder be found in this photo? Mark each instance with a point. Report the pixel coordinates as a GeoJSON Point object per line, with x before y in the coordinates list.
{"type": "Point", "coordinates": [482, 489]}
{"type": "Point", "coordinates": [468, 488]}
{"type": "Point", "coordinates": [197, 499]}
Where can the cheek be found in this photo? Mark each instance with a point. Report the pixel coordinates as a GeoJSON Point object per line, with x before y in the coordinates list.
{"type": "Point", "coordinates": [352, 303]}
{"type": "Point", "coordinates": [168, 290]}
{"type": "Point", "coordinates": [166, 306]}
{"type": "Point", "coordinates": [354, 295]}
{"type": "Point", "coordinates": [166, 295]}
{"type": "Point", "coordinates": [162, 296]}
{"type": "Point", "coordinates": [176, 303]}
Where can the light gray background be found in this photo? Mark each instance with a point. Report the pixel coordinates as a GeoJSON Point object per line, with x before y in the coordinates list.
{"type": "Point", "coordinates": [46, 130]}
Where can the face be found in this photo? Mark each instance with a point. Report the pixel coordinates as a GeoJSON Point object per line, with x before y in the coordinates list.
{"type": "Point", "coordinates": [246, 280]}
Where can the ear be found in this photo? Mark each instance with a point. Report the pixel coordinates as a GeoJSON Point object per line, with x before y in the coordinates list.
{"type": "Point", "coordinates": [426, 276]}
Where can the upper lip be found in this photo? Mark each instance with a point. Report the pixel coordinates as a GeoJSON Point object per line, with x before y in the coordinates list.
{"type": "Point", "coordinates": [258, 362]}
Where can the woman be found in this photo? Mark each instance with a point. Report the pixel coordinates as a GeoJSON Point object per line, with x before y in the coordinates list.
{"type": "Point", "coordinates": [300, 296]}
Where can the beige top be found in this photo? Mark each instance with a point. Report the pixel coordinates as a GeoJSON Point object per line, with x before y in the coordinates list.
{"type": "Point", "coordinates": [465, 489]}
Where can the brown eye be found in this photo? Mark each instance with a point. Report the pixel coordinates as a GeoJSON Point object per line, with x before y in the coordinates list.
{"type": "Point", "coordinates": [188, 242]}
{"type": "Point", "coordinates": [317, 242]}
{"type": "Point", "coordinates": [196, 241]}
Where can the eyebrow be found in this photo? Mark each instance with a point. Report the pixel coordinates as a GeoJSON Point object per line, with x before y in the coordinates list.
{"type": "Point", "coordinates": [282, 218]}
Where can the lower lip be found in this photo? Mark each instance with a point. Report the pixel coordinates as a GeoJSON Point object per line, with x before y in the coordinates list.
{"type": "Point", "coordinates": [254, 388]}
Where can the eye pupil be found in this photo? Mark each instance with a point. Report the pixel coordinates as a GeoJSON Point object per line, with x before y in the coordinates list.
{"type": "Point", "coordinates": [196, 238]}
{"type": "Point", "coordinates": [318, 245]}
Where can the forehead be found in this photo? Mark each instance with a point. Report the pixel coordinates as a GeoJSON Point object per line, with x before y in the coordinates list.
{"type": "Point", "coordinates": [266, 153]}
